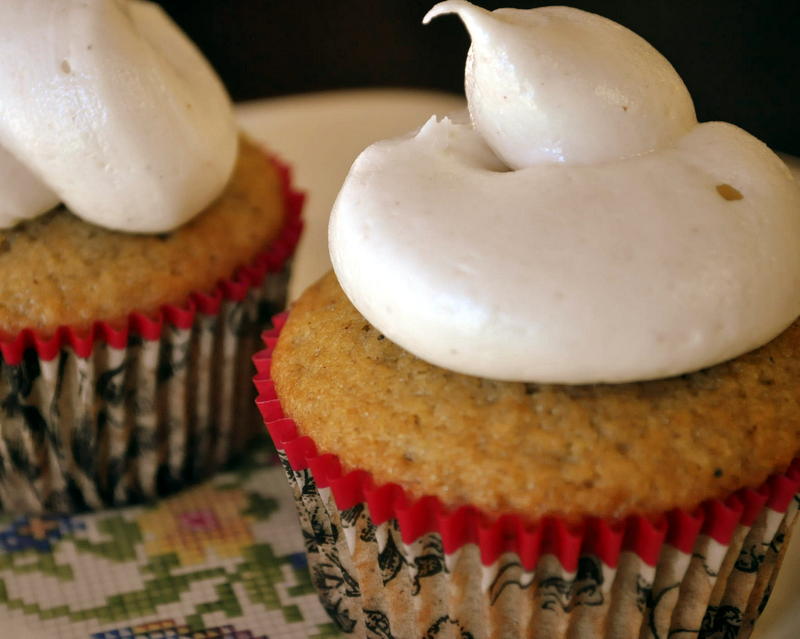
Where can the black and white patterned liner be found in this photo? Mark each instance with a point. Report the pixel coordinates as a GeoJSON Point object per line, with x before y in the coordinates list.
{"type": "Point", "coordinates": [375, 586]}
{"type": "Point", "coordinates": [130, 424]}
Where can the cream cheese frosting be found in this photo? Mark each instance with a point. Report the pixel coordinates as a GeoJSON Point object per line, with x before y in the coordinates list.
{"type": "Point", "coordinates": [562, 85]}
{"type": "Point", "coordinates": [106, 106]}
{"type": "Point", "coordinates": [475, 247]}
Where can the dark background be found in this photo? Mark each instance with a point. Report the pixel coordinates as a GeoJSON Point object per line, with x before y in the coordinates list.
{"type": "Point", "coordinates": [740, 58]}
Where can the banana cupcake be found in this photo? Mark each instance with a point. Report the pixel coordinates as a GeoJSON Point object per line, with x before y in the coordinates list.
{"type": "Point", "coordinates": [143, 245]}
{"type": "Point", "coordinates": [551, 390]}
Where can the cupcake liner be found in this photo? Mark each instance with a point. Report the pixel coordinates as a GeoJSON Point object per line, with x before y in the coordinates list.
{"type": "Point", "coordinates": [386, 565]}
{"type": "Point", "coordinates": [117, 414]}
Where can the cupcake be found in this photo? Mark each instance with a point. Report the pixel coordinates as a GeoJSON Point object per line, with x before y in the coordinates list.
{"type": "Point", "coordinates": [551, 390]}
{"type": "Point", "coordinates": [143, 247]}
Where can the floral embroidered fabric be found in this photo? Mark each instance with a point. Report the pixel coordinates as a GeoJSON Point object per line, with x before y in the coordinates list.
{"type": "Point", "coordinates": [223, 559]}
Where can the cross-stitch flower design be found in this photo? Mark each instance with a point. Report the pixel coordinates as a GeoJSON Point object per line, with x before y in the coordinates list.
{"type": "Point", "coordinates": [36, 532]}
{"type": "Point", "coordinates": [197, 522]}
{"type": "Point", "coordinates": [168, 628]}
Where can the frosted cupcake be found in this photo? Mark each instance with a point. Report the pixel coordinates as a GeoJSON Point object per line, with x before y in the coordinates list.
{"type": "Point", "coordinates": [552, 389]}
{"type": "Point", "coordinates": [143, 244]}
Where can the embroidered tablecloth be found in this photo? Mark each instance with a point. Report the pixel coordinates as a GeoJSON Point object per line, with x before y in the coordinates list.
{"type": "Point", "coordinates": [223, 559]}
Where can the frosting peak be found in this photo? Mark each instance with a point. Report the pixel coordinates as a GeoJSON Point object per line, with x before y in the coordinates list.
{"type": "Point", "coordinates": [108, 107]}
{"type": "Point", "coordinates": [619, 258]}
{"type": "Point", "coordinates": [557, 84]}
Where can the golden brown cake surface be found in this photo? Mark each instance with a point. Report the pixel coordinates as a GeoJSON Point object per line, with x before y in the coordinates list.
{"type": "Point", "coordinates": [601, 450]}
{"type": "Point", "coordinates": [58, 269]}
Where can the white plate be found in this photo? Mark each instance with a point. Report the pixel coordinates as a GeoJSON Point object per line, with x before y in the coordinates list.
{"type": "Point", "coordinates": [320, 135]}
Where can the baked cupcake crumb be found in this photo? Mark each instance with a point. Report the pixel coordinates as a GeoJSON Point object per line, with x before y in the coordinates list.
{"type": "Point", "coordinates": [537, 449]}
{"type": "Point", "coordinates": [59, 270]}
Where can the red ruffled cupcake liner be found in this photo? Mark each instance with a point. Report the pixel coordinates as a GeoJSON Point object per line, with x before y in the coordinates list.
{"type": "Point", "coordinates": [715, 561]}
{"type": "Point", "coordinates": [112, 415]}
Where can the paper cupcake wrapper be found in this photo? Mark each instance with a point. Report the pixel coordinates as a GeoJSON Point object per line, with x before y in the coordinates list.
{"type": "Point", "coordinates": [111, 416]}
{"type": "Point", "coordinates": [386, 565]}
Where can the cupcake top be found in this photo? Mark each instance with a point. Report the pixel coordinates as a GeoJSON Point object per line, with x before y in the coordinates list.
{"type": "Point", "coordinates": [537, 449]}
{"type": "Point", "coordinates": [476, 253]}
{"type": "Point", "coordinates": [60, 270]}
{"type": "Point", "coordinates": [581, 227]}
{"type": "Point", "coordinates": [108, 107]}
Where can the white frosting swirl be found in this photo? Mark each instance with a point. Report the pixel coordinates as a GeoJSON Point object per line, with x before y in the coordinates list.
{"type": "Point", "coordinates": [638, 265]}
{"type": "Point", "coordinates": [107, 106]}
{"type": "Point", "coordinates": [562, 85]}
